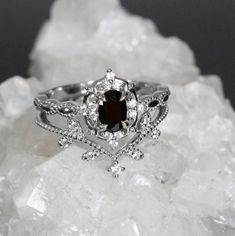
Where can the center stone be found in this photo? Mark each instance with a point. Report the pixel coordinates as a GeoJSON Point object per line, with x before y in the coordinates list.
{"type": "Point", "coordinates": [113, 111]}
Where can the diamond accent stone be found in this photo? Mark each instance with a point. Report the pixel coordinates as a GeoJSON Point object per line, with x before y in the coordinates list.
{"type": "Point", "coordinates": [108, 135]}
{"type": "Point", "coordinates": [110, 75]}
{"type": "Point", "coordinates": [136, 154]}
{"type": "Point", "coordinates": [132, 113]}
{"type": "Point", "coordinates": [74, 125]}
{"type": "Point", "coordinates": [113, 143]}
{"type": "Point", "coordinates": [93, 115]}
{"type": "Point", "coordinates": [93, 107]}
{"type": "Point", "coordinates": [65, 142]}
{"type": "Point", "coordinates": [112, 139]}
{"type": "Point", "coordinates": [90, 155]}
{"type": "Point", "coordinates": [83, 109]}
{"type": "Point", "coordinates": [116, 169]}
{"type": "Point", "coordinates": [132, 103]}
{"type": "Point", "coordinates": [118, 134]}
{"type": "Point", "coordinates": [141, 107]}
{"type": "Point", "coordinates": [155, 133]}
{"type": "Point", "coordinates": [104, 85]}
{"type": "Point", "coordinates": [146, 119]}
{"type": "Point", "coordinates": [75, 129]}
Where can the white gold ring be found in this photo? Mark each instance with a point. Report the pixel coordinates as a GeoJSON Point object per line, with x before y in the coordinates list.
{"type": "Point", "coordinates": [110, 115]}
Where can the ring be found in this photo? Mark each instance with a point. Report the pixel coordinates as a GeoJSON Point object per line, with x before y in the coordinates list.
{"type": "Point", "coordinates": [110, 115]}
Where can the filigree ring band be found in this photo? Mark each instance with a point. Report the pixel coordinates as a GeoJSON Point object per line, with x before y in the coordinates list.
{"type": "Point", "coordinates": [111, 116]}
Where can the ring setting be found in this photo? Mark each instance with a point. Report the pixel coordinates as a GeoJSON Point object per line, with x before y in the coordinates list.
{"type": "Point", "coordinates": [111, 116]}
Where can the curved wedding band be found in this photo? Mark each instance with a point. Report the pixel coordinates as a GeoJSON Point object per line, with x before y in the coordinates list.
{"type": "Point", "coordinates": [111, 116]}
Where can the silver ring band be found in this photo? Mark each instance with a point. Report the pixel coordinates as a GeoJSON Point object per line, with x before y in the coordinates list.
{"type": "Point", "coordinates": [111, 116]}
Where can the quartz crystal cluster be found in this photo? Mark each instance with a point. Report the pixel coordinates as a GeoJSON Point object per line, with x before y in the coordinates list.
{"type": "Point", "coordinates": [184, 186]}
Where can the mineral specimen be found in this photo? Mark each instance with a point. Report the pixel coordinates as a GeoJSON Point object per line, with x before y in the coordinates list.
{"type": "Point", "coordinates": [183, 186]}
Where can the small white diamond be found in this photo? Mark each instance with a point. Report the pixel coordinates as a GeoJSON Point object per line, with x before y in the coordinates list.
{"type": "Point", "coordinates": [93, 116]}
{"type": "Point", "coordinates": [91, 100]}
{"type": "Point", "coordinates": [118, 135]}
{"type": "Point", "coordinates": [118, 85]}
{"type": "Point", "coordinates": [83, 109]}
{"type": "Point", "coordinates": [100, 87]}
{"type": "Point", "coordinates": [108, 84]}
{"type": "Point", "coordinates": [90, 155]}
{"type": "Point", "coordinates": [88, 90]}
{"type": "Point", "coordinates": [110, 75]}
{"type": "Point", "coordinates": [131, 85]}
{"type": "Point", "coordinates": [80, 135]}
{"type": "Point", "coordinates": [136, 154]}
{"type": "Point", "coordinates": [103, 127]}
{"type": "Point", "coordinates": [65, 142]}
{"type": "Point", "coordinates": [132, 103]}
{"type": "Point", "coordinates": [93, 107]}
{"type": "Point", "coordinates": [133, 129]}
{"type": "Point", "coordinates": [132, 113]}
{"type": "Point", "coordinates": [155, 133]}
{"type": "Point", "coordinates": [115, 169]}
{"type": "Point", "coordinates": [113, 143]}
{"type": "Point", "coordinates": [75, 129]}
{"type": "Point", "coordinates": [108, 135]}
{"type": "Point", "coordinates": [141, 107]}
{"type": "Point", "coordinates": [146, 119]}
{"type": "Point", "coordinates": [73, 125]}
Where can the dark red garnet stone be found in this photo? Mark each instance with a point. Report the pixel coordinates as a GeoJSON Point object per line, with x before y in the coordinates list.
{"type": "Point", "coordinates": [113, 111]}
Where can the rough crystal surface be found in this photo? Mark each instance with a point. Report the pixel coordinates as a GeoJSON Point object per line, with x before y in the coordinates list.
{"type": "Point", "coordinates": [184, 186]}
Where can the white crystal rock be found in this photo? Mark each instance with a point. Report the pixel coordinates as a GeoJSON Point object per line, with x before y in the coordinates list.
{"type": "Point", "coordinates": [185, 185]}
{"type": "Point", "coordinates": [84, 38]}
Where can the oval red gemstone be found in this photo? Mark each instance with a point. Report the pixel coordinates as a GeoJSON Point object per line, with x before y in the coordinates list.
{"type": "Point", "coordinates": [113, 111]}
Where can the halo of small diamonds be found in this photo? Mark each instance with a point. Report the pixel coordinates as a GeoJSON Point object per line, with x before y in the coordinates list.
{"type": "Point", "coordinates": [98, 104]}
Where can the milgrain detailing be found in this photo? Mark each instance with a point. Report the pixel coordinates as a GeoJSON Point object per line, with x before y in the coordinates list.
{"type": "Point", "coordinates": [111, 116]}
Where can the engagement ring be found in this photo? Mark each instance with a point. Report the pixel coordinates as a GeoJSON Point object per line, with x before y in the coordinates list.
{"type": "Point", "coordinates": [111, 116]}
